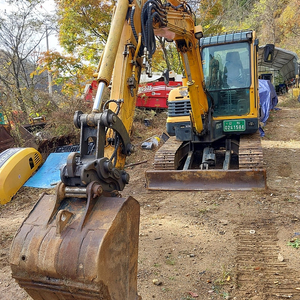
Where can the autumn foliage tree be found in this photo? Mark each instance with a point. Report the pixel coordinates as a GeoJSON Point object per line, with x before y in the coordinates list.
{"type": "Point", "coordinates": [68, 72]}
{"type": "Point", "coordinates": [84, 28]}
{"type": "Point", "coordinates": [210, 16]}
{"type": "Point", "coordinates": [289, 24]}
{"type": "Point", "coordinates": [83, 31]}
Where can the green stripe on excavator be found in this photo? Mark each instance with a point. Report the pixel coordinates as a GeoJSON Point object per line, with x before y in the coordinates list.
{"type": "Point", "coordinates": [201, 180]}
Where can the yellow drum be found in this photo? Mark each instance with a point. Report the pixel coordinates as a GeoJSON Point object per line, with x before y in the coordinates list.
{"type": "Point", "coordinates": [296, 92]}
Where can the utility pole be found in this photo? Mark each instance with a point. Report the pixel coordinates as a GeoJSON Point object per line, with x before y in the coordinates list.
{"type": "Point", "coordinates": [49, 74]}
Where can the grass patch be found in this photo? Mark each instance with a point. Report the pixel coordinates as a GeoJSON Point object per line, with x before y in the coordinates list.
{"type": "Point", "coordinates": [295, 243]}
{"type": "Point", "coordinates": [170, 261]}
{"type": "Point", "coordinates": [224, 279]}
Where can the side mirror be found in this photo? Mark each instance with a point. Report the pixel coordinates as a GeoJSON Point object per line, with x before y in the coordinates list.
{"type": "Point", "coordinates": [269, 53]}
{"type": "Point", "coordinates": [166, 76]}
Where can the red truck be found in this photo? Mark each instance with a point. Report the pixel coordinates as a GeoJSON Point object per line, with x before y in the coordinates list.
{"type": "Point", "coordinates": [151, 94]}
{"type": "Point", "coordinates": [155, 94]}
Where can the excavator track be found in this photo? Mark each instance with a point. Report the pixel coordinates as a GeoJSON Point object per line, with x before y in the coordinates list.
{"type": "Point", "coordinates": [250, 152]}
{"type": "Point", "coordinates": [165, 175]}
{"type": "Point", "coordinates": [165, 157]}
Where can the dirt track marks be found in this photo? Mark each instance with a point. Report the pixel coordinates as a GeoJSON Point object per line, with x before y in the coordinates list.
{"type": "Point", "coordinates": [260, 273]}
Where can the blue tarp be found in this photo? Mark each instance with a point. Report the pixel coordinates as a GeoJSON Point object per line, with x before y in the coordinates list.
{"type": "Point", "coordinates": [267, 99]}
{"type": "Point", "coordinates": [49, 173]}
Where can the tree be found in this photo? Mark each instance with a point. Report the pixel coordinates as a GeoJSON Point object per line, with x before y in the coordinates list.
{"type": "Point", "coordinates": [67, 71]}
{"type": "Point", "coordinates": [210, 15]}
{"type": "Point", "coordinates": [84, 26]}
{"type": "Point", "coordinates": [21, 33]}
{"type": "Point", "coordinates": [289, 23]}
{"type": "Point", "coordinates": [166, 57]}
{"type": "Point", "coordinates": [264, 19]}
{"type": "Point", "coordinates": [83, 31]}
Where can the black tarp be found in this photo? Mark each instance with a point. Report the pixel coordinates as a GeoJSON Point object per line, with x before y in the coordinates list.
{"type": "Point", "coordinates": [284, 61]}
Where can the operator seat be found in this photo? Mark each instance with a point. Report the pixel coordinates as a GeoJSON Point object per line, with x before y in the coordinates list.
{"type": "Point", "coordinates": [233, 71]}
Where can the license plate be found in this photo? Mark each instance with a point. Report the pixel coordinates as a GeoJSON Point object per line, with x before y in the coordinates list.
{"type": "Point", "coordinates": [234, 125]}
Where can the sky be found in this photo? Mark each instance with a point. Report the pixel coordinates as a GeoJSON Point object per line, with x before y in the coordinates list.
{"type": "Point", "coordinates": [49, 6]}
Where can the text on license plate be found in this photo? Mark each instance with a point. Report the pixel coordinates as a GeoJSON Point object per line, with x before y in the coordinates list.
{"type": "Point", "coordinates": [234, 125]}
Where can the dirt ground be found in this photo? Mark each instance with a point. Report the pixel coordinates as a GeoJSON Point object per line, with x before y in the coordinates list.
{"type": "Point", "coordinates": [206, 245]}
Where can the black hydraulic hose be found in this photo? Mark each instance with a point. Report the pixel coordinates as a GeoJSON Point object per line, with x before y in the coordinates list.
{"type": "Point", "coordinates": [143, 23]}
{"type": "Point", "coordinates": [191, 13]}
{"type": "Point", "coordinates": [211, 98]}
{"type": "Point", "coordinates": [114, 156]}
{"type": "Point", "coordinates": [174, 7]}
{"type": "Point", "coordinates": [151, 37]}
{"type": "Point", "coordinates": [186, 8]}
{"type": "Point", "coordinates": [147, 9]}
{"type": "Point", "coordinates": [134, 31]}
{"type": "Point", "coordinates": [156, 4]}
{"type": "Point", "coordinates": [148, 31]}
{"type": "Point", "coordinates": [132, 24]}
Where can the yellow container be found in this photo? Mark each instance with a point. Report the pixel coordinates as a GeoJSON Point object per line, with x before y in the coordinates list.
{"type": "Point", "coordinates": [296, 92]}
{"type": "Point", "coordinates": [16, 166]}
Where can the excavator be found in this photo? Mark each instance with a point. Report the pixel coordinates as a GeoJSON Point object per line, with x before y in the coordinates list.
{"type": "Point", "coordinates": [82, 241]}
{"type": "Point", "coordinates": [213, 121]}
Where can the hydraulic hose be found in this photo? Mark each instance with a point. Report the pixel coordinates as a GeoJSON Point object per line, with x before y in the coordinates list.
{"type": "Point", "coordinates": [132, 23]}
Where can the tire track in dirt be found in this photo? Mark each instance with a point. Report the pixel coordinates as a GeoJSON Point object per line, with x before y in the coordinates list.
{"type": "Point", "coordinates": [260, 272]}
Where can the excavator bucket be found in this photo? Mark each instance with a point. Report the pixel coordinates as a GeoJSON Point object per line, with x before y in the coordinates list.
{"type": "Point", "coordinates": [198, 180]}
{"type": "Point", "coordinates": [70, 249]}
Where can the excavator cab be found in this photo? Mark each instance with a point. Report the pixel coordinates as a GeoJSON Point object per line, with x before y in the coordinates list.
{"type": "Point", "coordinates": [229, 87]}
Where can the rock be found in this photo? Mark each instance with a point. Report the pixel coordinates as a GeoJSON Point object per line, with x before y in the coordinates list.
{"type": "Point", "coordinates": [157, 282]}
{"type": "Point", "coordinates": [223, 222]}
{"type": "Point", "coordinates": [280, 257]}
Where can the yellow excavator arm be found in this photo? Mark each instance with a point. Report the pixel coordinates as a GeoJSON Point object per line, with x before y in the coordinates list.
{"type": "Point", "coordinates": [130, 48]}
{"type": "Point", "coordinates": [82, 242]}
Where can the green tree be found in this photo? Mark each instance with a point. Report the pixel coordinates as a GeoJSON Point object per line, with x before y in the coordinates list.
{"type": "Point", "coordinates": [84, 26]}
{"type": "Point", "coordinates": [264, 18]}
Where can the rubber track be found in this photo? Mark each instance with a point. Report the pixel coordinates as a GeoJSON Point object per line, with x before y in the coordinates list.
{"type": "Point", "coordinates": [250, 152]}
{"type": "Point", "coordinates": [258, 269]}
{"type": "Point", "coordinates": [165, 156]}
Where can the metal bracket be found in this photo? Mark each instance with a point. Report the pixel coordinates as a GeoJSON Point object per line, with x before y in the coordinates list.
{"type": "Point", "coordinates": [81, 169]}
